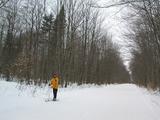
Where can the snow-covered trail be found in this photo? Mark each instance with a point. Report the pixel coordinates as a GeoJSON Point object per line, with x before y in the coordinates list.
{"type": "Point", "coordinates": [111, 102]}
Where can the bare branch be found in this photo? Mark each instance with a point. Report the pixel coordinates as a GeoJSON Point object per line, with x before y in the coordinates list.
{"type": "Point", "coordinates": [116, 4]}
{"type": "Point", "coordinates": [3, 3]}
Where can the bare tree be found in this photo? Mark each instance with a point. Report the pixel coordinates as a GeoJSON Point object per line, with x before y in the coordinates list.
{"type": "Point", "coordinates": [146, 32]}
{"type": "Point", "coordinates": [69, 42]}
{"type": "Point", "coordinates": [3, 3]}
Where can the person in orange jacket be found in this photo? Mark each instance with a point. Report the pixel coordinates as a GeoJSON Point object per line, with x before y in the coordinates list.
{"type": "Point", "coordinates": [54, 85]}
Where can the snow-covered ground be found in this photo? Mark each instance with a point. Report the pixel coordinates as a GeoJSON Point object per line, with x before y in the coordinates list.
{"type": "Point", "coordinates": [111, 102]}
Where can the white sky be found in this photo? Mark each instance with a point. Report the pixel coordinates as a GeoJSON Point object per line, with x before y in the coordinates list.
{"type": "Point", "coordinates": [117, 26]}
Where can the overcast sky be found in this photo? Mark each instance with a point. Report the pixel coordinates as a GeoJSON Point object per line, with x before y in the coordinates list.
{"type": "Point", "coordinates": [116, 26]}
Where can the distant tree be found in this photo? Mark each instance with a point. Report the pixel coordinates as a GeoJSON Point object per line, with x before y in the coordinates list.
{"type": "Point", "coordinates": [1, 37]}
{"type": "Point", "coordinates": [47, 23]}
{"type": "Point", "coordinates": [56, 43]}
{"type": "Point", "coordinates": [47, 28]}
{"type": "Point", "coordinates": [9, 48]}
{"type": "Point", "coordinates": [145, 64]}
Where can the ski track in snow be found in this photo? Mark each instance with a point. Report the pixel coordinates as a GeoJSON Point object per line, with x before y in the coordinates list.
{"type": "Point", "coordinates": [111, 102]}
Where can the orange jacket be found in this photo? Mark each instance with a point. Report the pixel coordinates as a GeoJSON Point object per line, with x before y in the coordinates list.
{"type": "Point", "coordinates": [54, 82]}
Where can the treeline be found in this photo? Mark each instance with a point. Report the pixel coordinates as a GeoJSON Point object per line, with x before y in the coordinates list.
{"type": "Point", "coordinates": [69, 41]}
{"type": "Point", "coordinates": [145, 65]}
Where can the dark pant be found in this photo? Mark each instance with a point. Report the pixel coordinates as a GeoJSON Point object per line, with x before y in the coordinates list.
{"type": "Point", "coordinates": [55, 93]}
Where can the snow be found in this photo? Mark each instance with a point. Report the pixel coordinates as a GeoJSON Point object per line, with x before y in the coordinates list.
{"type": "Point", "coordinates": [110, 102]}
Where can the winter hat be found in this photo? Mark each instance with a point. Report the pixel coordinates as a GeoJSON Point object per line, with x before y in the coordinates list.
{"type": "Point", "coordinates": [55, 74]}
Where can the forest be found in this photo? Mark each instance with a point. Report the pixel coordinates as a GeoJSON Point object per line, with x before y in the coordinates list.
{"type": "Point", "coordinates": [68, 39]}
{"type": "Point", "coordinates": [145, 35]}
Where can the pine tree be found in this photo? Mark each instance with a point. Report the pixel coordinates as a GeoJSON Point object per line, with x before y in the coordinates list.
{"type": "Point", "coordinates": [56, 44]}
{"type": "Point", "coordinates": [47, 23]}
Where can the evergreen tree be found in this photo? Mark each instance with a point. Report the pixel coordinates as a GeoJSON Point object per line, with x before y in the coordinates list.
{"type": "Point", "coordinates": [56, 43]}
{"type": "Point", "coordinates": [47, 23]}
